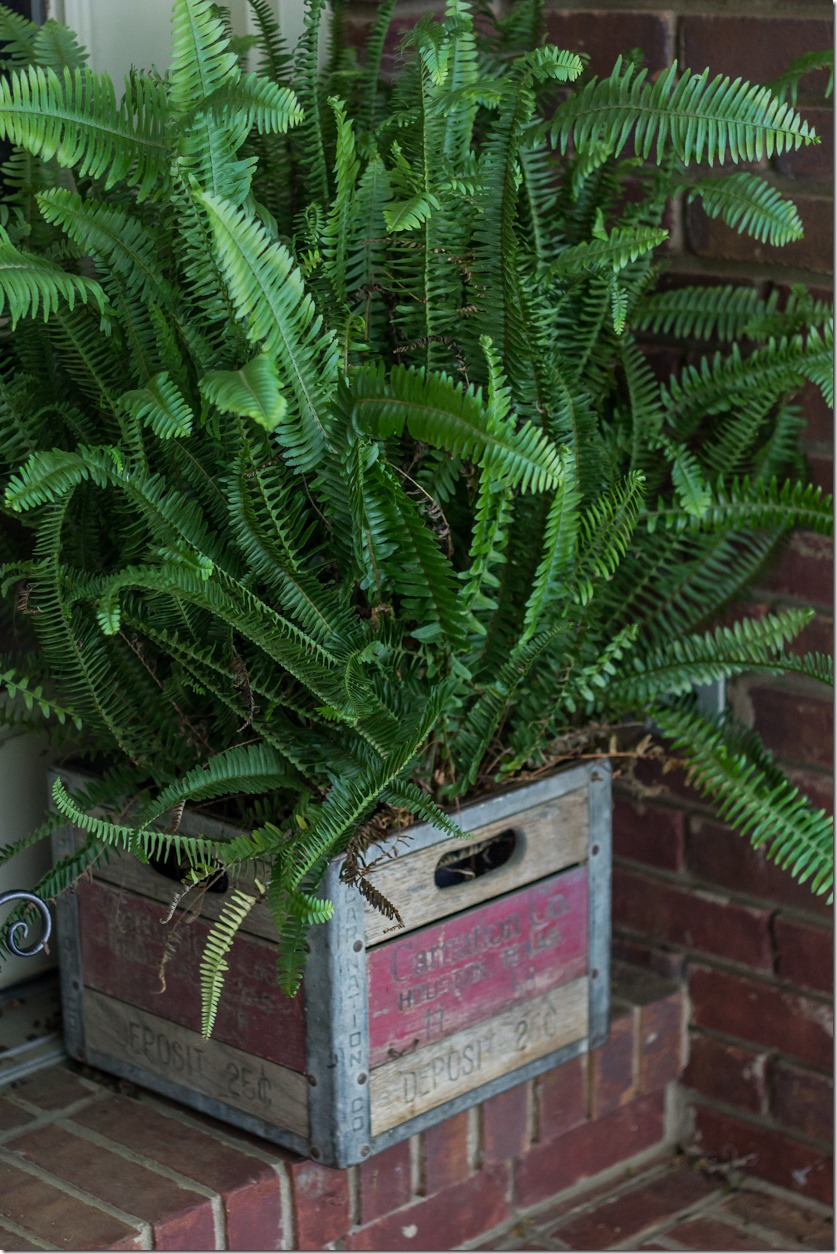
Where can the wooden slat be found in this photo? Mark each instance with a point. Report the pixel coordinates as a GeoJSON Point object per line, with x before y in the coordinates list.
{"type": "Point", "coordinates": [127, 872]}
{"type": "Point", "coordinates": [218, 1071]}
{"type": "Point", "coordinates": [555, 836]}
{"type": "Point", "coordinates": [437, 980]}
{"type": "Point", "coordinates": [123, 941]}
{"type": "Point", "coordinates": [437, 1073]}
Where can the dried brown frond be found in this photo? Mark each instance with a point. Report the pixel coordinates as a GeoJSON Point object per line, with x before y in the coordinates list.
{"type": "Point", "coordinates": [377, 900]}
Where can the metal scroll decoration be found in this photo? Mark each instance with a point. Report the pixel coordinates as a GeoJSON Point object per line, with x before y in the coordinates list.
{"type": "Point", "coordinates": [18, 932]}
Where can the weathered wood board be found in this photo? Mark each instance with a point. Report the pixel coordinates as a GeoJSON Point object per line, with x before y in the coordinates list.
{"type": "Point", "coordinates": [437, 980]}
{"type": "Point", "coordinates": [126, 872]}
{"type": "Point", "coordinates": [123, 940]}
{"type": "Point", "coordinates": [552, 835]}
{"type": "Point", "coordinates": [436, 1073]}
{"type": "Point", "coordinates": [254, 1085]}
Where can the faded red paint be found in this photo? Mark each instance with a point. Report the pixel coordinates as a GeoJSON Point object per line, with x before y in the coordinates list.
{"type": "Point", "coordinates": [122, 942]}
{"type": "Point", "coordinates": [469, 967]}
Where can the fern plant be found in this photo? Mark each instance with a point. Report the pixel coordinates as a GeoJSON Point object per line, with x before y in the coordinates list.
{"type": "Point", "coordinates": [337, 486]}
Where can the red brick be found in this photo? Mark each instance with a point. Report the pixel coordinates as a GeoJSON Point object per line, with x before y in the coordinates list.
{"type": "Point", "coordinates": [819, 418]}
{"type": "Point", "coordinates": [713, 1234]}
{"type": "Point", "coordinates": [606, 35]}
{"type": "Point", "coordinates": [562, 1098]}
{"type": "Point", "coordinates": [445, 1221]}
{"type": "Point", "coordinates": [385, 1182]}
{"type": "Point", "coordinates": [803, 1100]}
{"type": "Point", "coordinates": [181, 1218]}
{"type": "Point", "coordinates": [613, 1079]}
{"type": "Point", "coordinates": [660, 1043]}
{"type": "Point", "coordinates": [717, 855]}
{"type": "Point", "coordinates": [804, 569]}
{"type": "Point", "coordinates": [250, 1187]}
{"type": "Point", "coordinates": [57, 1218]}
{"type": "Point", "coordinates": [756, 49]}
{"type": "Point", "coordinates": [757, 1011]}
{"type": "Point", "coordinates": [813, 162]}
{"type": "Point", "coordinates": [805, 953]}
{"type": "Point", "coordinates": [818, 786]}
{"type": "Point", "coordinates": [727, 1073]}
{"type": "Point", "coordinates": [820, 467]}
{"type": "Point", "coordinates": [12, 1241]}
{"type": "Point", "coordinates": [356, 33]}
{"type": "Point", "coordinates": [253, 1215]}
{"type": "Point", "coordinates": [695, 919]}
{"type": "Point", "coordinates": [767, 1153]}
{"type": "Point", "coordinates": [633, 1212]}
{"type": "Point", "coordinates": [794, 724]}
{"type": "Point", "coordinates": [648, 834]}
{"type": "Point", "coordinates": [801, 1224]}
{"type": "Point", "coordinates": [55, 1089]}
{"type": "Point", "coordinates": [817, 637]}
{"type": "Point", "coordinates": [643, 954]}
{"type": "Point", "coordinates": [321, 1204]}
{"type": "Point", "coordinates": [596, 1145]}
{"type": "Point", "coordinates": [12, 1116]}
{"type": "Point", "coordinates": [712, 238]}
{"type": "Point", "coordinates": [505, 1125]}
{"type": "Point", "coordinates": [446, 1157]}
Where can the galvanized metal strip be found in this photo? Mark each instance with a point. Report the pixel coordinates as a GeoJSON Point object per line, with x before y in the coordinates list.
{"type": "Point", "coordinates": [337, 1029]}
{"type": "Point", "coordinates": [64, 843]}
{"type": "Point", "coordinates": [599, 865]}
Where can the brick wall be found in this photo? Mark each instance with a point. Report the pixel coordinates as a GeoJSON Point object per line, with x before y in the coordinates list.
{"type": "Point", "coordinates": [89, 1165]}
{"type": "Point", "coordinates": [692, 899]}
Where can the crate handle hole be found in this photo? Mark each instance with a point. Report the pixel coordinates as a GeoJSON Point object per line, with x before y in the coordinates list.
{"type": "Point", "coordinates": [177, 869]}
{"type": "Point", "coordinates": [480, 859]}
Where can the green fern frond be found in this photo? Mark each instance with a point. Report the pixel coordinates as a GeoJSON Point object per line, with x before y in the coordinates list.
{"type": "Point", "coordinates": [74, 118]}
{"type": "Point", "coordinates": [201, 62]}
{"type": "Point", "coordinates": [57, 48]}
{"type": "Point", "coordinates": [240, 769]}
{"type": "Point", "coordinates": [433, 409]}
{"type": "Point", "coordinates": [31, 285]}
{"type": "Point", "coordinates": [749, 645]}
{"type": "Point", "coordinates": [251, 102]}
{"type": "Point", "coordinates": [694, 117]}
{"type": "Point", "coordinates": [787, 84]}
{"type": "Point", "coordinates": [554, 578]}
{"type": "Point", "coordinates": [747, 795]}
{"type": "Point", "coordinates": [701, 313]}
{"type": "Point", "coordinates": [407, 796]}
{"type": "Point", "coordinates": [744, 505]}
{"type": "Point", "coordinates": [614, 253]}
{"type": "Point", "coordinates": [605, 531]}
{"type": "Point", "coordinates": [269, 293]}
{"type": "Point", "coordinates": [214, 964]}
{"type": "Point", "coordinates": [20, 688]}
{"type": "Point", "coordinates": [251, 392]}
{"type": "Point", "coordinates": [276, 60]}
{"type": "Point", "coordinates": [108, 232]}
{"type": "Point", "coordinates": [748, 203]}
{"type": "Point", "coordinates": [17, 38]}
{"type": "Point", "coordinates": [161, 406]}
{"type": "Point", "coordinates": [121, 836]}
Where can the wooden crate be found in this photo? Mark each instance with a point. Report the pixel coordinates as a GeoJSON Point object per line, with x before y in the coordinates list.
{"type": "Point", "coordinates": [496, 976]}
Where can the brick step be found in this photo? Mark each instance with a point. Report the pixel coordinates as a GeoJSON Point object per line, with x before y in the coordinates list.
{"type": "Point", "coordinates": [87, 1162]}
{"type": "Point", "coordinates": [675, 1204]}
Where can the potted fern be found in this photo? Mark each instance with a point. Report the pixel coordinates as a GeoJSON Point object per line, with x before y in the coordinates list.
{"type": "Point", "coordinates": [338, 490]}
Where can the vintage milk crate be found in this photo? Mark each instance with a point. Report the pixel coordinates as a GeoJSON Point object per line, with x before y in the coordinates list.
{"type": "Point", "coordinates": [501, 972]}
